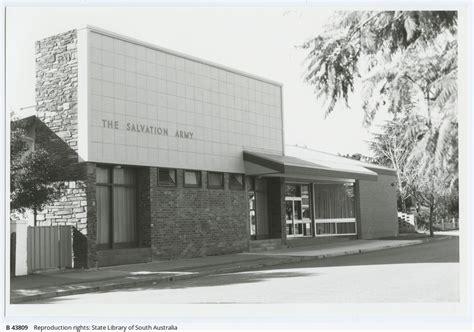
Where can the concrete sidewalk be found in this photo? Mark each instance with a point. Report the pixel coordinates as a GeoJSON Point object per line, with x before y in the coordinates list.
{"type": "Point", "coordinates": [68, 282]}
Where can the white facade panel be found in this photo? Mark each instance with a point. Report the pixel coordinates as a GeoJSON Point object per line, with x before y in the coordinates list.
{"type": "Point", "coordinates": [153, 108]}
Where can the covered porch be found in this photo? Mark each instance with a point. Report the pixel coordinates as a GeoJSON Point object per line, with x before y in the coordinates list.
{"type": "Point", "coordinates": [302, 201]}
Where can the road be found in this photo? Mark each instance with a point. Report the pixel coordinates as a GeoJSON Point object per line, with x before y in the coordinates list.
{"type": "Point", "coordinates": [423, 273]}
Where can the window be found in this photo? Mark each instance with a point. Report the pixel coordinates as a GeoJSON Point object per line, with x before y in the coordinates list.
{"type": "Point", "coordinates": [334, 209]}
{"type": "Point", "coordinates": [167, 177]}
{"type": "Point", "coordinates": [116, 207]}
{"type": "Point", "coordinates": [236, 181]}
{"type": "Point", "coordinates": [334, 201]}
{"type": "Point", "coordinates": [252, 208]}
{"type": "Point", "coordinates": [292, 190]}
{"type": "Point", "coordinates": [192, 178]}
{"type": "Point", "coordinates": [215, 180]}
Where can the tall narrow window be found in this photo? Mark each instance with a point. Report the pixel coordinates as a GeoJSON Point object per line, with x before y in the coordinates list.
{"type": "Point", "coordinates": [103, 196]}
{"type": "Point", "coordinates": [252, 208]}
{"type": "Point", "coordinates": [116, 207]}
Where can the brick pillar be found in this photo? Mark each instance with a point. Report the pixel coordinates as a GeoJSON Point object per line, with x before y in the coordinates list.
{"type": "Point", "coordinates": [276, 205]}
{"type": "Point", "coordinates": [146, 177]}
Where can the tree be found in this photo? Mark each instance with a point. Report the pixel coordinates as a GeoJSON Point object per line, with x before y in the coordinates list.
{"type": "Point", "coordinates": [392, 148]}
{"type": "Point", "coordinates": [32, 174]}
{"type": "Point", "coordinates": [406, 63]}
{"type": "Point", "coordinates": [359, 41]}
{"type": "Point", "coordinates": [434, 163]}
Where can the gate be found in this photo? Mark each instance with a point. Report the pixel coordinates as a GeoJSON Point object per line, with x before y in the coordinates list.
{"type": "Point", "coordinates": [49, 247]}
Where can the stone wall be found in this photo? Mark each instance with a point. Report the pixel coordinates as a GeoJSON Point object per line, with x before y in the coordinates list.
{"type": "Point", "coordinates": [56, 85]}
{"type": "Point", "coordinates": [56, 131]}
{"type": "Point", "coordinates": [70, 209]}
{"type": "Point", "coordinates": [193, 222]}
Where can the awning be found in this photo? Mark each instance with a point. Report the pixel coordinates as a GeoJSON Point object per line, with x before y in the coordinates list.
{"type": "Point", "coordinates": [265, 164]}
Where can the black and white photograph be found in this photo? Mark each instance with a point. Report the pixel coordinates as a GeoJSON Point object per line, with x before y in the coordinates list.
{"type": "Point", "coordinates": [237, 165]}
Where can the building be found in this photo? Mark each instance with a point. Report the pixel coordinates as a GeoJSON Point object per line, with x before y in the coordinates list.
{"type": "Point", "coordinates": [170, 156]}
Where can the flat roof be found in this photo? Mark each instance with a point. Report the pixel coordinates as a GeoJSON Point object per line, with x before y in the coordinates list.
{"type": "Point", "coordinates": [331, 160]}
{"type": "Point", "coordinates": [179, 54]}
{"type": "Point", "coordinates": [301, 168]}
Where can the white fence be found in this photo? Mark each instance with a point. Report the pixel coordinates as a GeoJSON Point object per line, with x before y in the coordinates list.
{"type": "Point", "coordinates": [406, 222]}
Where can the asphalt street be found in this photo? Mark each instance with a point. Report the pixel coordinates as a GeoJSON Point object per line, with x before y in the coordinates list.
{"type": "Point", "coordinates": [427, 272]}
{"type": "Point", "coordinates": [443, 251]}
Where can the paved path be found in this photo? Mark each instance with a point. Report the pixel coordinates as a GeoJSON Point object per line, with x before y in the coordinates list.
{"type": "Point", "coordinates": [424, 273]}
{"type": "Point", "coordinates": [339, 248]}
{"type": "Point", "coordinates": [61, 283]}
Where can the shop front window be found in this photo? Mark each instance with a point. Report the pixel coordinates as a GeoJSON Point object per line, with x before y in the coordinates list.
{"type": "Point", "coordinates": [334, 209]}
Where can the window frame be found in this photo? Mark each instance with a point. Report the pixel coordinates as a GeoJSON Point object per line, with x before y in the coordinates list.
{"type": "Point", "coordinates": [334, 221]}
{"type": "Point", "coordinates": [163, 184]}
{"type": "Point", "coordinates": [213, 186]}
{"type": "Point", "coordinates": [110, 186]}
{"type": "Point", "coordinates": [234, 187]}
{"type": "Point", "coordinates": [186, 185]}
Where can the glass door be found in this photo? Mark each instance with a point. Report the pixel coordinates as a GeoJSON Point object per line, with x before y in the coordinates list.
{"type": "Point", "coordinates": [290, 227]}
{"type": "Point", "coordinates": [298, 219]}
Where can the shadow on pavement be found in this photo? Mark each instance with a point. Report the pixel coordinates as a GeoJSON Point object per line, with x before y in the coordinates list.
{"type": "Point", "coordinates": [213, 280]}
{"type": "Point", "coordinates": [441, 251]}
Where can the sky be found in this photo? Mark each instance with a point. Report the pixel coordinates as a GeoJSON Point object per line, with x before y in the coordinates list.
{"type": "Point", "coordinates": [259, 40]}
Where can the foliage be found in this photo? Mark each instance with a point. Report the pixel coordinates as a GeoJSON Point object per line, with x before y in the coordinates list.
{"type": "Point", "coordinates": [32, 174]}
{"type": "Point", "coordinates": [392, 148]}
{"type": "Point", "coordinates": [334, 57]}
{"type": "Point", "coordinates": [406, 64]}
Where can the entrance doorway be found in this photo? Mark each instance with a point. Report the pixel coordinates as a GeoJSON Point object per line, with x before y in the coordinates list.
{"type": "Point", "coordinates": [298, 213]}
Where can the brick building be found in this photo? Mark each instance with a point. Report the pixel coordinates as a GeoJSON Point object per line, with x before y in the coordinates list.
{"type": "Point", "coordinates": [171, 156]}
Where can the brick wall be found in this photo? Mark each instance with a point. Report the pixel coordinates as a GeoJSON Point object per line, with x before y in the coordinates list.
{"type": "Point", "coordinates": [377, 207]}
{"type": "Point", "coordinates": [192, 222]}
{"type": "Point", "coordinates": [144, 190]}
